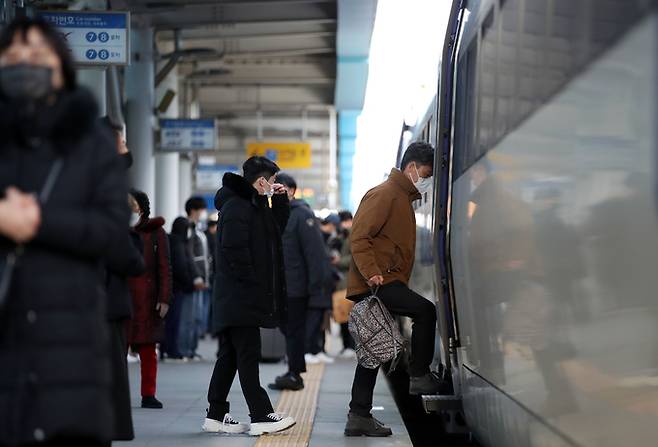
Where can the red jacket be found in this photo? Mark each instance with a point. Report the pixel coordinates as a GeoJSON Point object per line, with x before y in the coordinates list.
{"type": "Point", "coordinates": [152, 287]}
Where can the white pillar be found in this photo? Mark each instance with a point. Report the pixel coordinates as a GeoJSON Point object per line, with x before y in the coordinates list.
{"type": "Point", "coordinates": [185, 179]}
{"type": "Point", "coordinates": [167, 171]}
{"type": "Point", "coordinates": [333, 159]}
{"type": "Point", "coordinates": [94, 79]}
{"type": "Point", "coordinates": [140, 100]}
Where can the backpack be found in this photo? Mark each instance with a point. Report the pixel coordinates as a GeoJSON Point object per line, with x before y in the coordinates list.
{"type": "Point", "coordinates": [376, 333]}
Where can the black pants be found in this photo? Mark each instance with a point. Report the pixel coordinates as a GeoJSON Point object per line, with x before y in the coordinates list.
{"type": "Point", "coordinates": [295, 332]}
{"type": "Point", "coordinates": [239, 351]}
{"type": "Point", "coordinates": [399, 300]}
{"type": "Point", "coordinates": [314, 332]}
{"type": "Point", "coordinates": [123, 421]}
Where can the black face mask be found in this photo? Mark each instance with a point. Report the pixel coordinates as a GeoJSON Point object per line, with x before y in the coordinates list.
{"type": "Point", "coordinates": [26, 82]}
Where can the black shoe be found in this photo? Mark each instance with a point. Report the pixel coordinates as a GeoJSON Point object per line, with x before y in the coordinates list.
{"type": "Point", "coordinates": [430, 383]}
{"type": "Point", "coordinates": [363, 426]}
{"type": "Point", "coordinates": [151, 402]}
{"type": "Point", "coordinates": [288, 381]}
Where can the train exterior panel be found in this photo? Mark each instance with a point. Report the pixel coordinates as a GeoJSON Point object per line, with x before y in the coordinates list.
{"type": "Point", "coordinates": [553, 222]}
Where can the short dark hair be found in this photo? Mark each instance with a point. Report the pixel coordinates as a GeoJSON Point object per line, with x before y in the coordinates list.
{"type": "Point", "coordinates": [142, 201]}
{"type": "Point", "coordinates": [24, 24]}
{"type": "Point", "coordinates": [195, 203]}
{"type": "Point", "coordinates": [286, 179]}
{"type": "Point", "coordinates": [420, 152]}
{"type": "Point", "coordinates": [256, 167]}
{"type": "Point", "coordinates": [345, 216]}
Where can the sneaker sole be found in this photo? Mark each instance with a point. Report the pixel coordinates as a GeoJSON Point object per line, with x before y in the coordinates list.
{"type": "Point", "coordinates": [212, 426]}
{"type": "Point", "coordinates": [257, 430]}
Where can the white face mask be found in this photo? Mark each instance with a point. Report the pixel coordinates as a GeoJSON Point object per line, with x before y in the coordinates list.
{"type": "Point", "coordinates": [423, 184]}
{"type": "Point", "coordinates": [134, 218]}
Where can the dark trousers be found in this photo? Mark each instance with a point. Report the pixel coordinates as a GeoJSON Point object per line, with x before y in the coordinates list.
{"type": "Point", "coordinates": [123, 422]}
{"type": "Point", "coordinates": [295, 332]}
{"type": "Point", "coordinates": [172, 327]}
{"type": "Point", "coordinates": [239, 351]}
{"type": "Point", "coordinates": [399, 300]}
{"type": "Point", "coordinates": [314, 333]}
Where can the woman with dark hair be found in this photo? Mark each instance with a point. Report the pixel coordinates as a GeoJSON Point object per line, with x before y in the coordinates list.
{"type": "Point", "coordinates": [183, 274]}
{"type": "Point", "coordinates": [59, 169]}
{"type": "Point", "coordinates": [151, 293]}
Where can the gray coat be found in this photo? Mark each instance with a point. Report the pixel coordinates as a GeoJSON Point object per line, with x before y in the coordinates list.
{"type": "Point", "coordinates": [308, 273]}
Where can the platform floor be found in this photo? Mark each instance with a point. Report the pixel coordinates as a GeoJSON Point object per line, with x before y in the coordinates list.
{"type": "Point", "coordinates": [182, 388]}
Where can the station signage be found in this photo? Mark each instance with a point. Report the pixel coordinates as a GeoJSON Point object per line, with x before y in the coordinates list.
{"type": "Point", "coordinates": [188, 135]}
{"type": "Point", "coordinates": [209, 177]}
{"type": "Point", "coordinates": [287, 155]}
{"type": "Point", "coordinates": [95, 38]}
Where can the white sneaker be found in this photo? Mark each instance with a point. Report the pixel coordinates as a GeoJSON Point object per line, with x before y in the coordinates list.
{"type": "Point", "coordinates": [348, 353]}
{"type": "Point", "coordinates": [324, 358]}
{"type": "Point", "coordinates": [228, 425]}
{"type": "Point", "coordinates": [311, 359]}
{"type": "Point", "coordinates": [275, 423]}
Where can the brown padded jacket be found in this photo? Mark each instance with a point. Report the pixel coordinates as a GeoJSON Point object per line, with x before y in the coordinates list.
{"type": "Point", "coordinates": [383, 235]}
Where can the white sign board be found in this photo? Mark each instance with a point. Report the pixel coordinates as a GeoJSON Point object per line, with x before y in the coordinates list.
{"type": "Point", "coordinates": [95, 38]}
{"type": "Point", "coordinates": [209, 177]}
{"type": "Point", "coordinates": [188, 135]}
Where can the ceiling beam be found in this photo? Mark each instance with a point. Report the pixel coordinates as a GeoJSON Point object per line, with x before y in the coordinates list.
{"type": "Point", "coordinates": [215, 35]}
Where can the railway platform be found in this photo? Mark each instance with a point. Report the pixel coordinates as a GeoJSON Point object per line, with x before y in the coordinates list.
{"type": "Point", "coordinates": [320, 409]}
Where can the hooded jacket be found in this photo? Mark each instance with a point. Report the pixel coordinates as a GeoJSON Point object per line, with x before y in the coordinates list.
{"type": "Point", "coordinates": [383, 234]}
{"type": "Point", "coordinates": [250, 280]}
{"type": "Point", "coordinates": [153, 286]}
{"type": "Point", "coordinates": [54, 362]}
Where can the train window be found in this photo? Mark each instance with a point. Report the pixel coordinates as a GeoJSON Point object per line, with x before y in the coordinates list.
{"type": "Point", "coordinates": [487, 87]}
{"type": "Point", "coordinates": [465, 107]}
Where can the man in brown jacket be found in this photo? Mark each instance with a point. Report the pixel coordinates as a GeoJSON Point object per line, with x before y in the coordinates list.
{"type": "Point", "coordinates": [383, 247]}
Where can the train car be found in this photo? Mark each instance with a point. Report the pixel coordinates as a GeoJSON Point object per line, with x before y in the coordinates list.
{"type": "Point", "coordinates": [540, 242]}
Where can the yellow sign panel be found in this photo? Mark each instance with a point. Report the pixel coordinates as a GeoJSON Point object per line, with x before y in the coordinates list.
{"type": "Point", "coordinates": [285, 155]}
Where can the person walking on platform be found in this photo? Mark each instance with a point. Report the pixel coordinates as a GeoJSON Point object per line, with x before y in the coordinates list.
{"type": "Point", "coordinates": [307, 277]}
{"type": "Point", "coordinates": [383, 249]}
{"type": "Point", "coordinates": [151, 294]}
{"type": "Point", "coordinates": [124, 259]}
{"type": "Point", "coordinates": [62, 204]}
{"type": "Point", "coordinates": [182, 273]}
{"type": "Point", "coordinates": [250, 292]}
{"type": "Point", "coordinates": [342, 306]}
{"type": "Point", "coordinates": [197, 214]}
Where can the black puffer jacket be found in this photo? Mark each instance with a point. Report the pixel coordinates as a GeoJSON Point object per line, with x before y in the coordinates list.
{"type": "Point", "coordinates": [308, 272]}
{"type": "Point", "coordinates": [250, 279]}
{"type": "Point", "coordinates": [124, 259]}
{"type": "Point", "coordinates": [54, 366]}
{"type": "Point", "coordinates": [182, 264]}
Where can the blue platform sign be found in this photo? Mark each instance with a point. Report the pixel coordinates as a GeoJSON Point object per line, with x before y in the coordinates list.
{"type": "Point", "coordinates": [95, 38]}
{"type": "Point", "coordinates": [188, 135]}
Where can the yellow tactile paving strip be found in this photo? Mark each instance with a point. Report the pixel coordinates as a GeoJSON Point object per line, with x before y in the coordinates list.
{"type": "Point", "coordinates": [301, 405]}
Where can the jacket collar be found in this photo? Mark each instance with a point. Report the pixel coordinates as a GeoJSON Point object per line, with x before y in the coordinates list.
{"type": "Point", "coordinates": [147, 225]}
{"type": "Point", "coordinates": [236, 185]}
{"type": "Point", "coordinates": [402, 181]}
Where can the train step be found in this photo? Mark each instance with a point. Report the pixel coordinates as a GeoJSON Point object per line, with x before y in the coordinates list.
{"type": "Point", "coordinates": [441, 403]}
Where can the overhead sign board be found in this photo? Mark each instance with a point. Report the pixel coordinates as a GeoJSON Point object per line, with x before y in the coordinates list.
{"type": "Point", "coordinates": [95, 38]}
{"type": "Point", "coordinates": [209, 177]}
{"type": "Point", "coordinates": [188, 135]}
{"type": "Point", "coordinates": [285, 155]}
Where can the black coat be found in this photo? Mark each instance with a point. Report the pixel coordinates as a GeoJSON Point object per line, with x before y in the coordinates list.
{"type": "Point", "coordinates": [54, 367]}
{"type": "Point", "coordinates": [124, 259]}
{"type": "Point", "coordinates": [182, 265]}
{"type": "Point", "coordinates": [250, 278]}
{"type": "Point", "coordinates": [308, 272]}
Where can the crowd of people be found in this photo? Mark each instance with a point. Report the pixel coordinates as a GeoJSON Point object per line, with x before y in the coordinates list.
{"type": "Point", "coordinates": [109, 277]}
